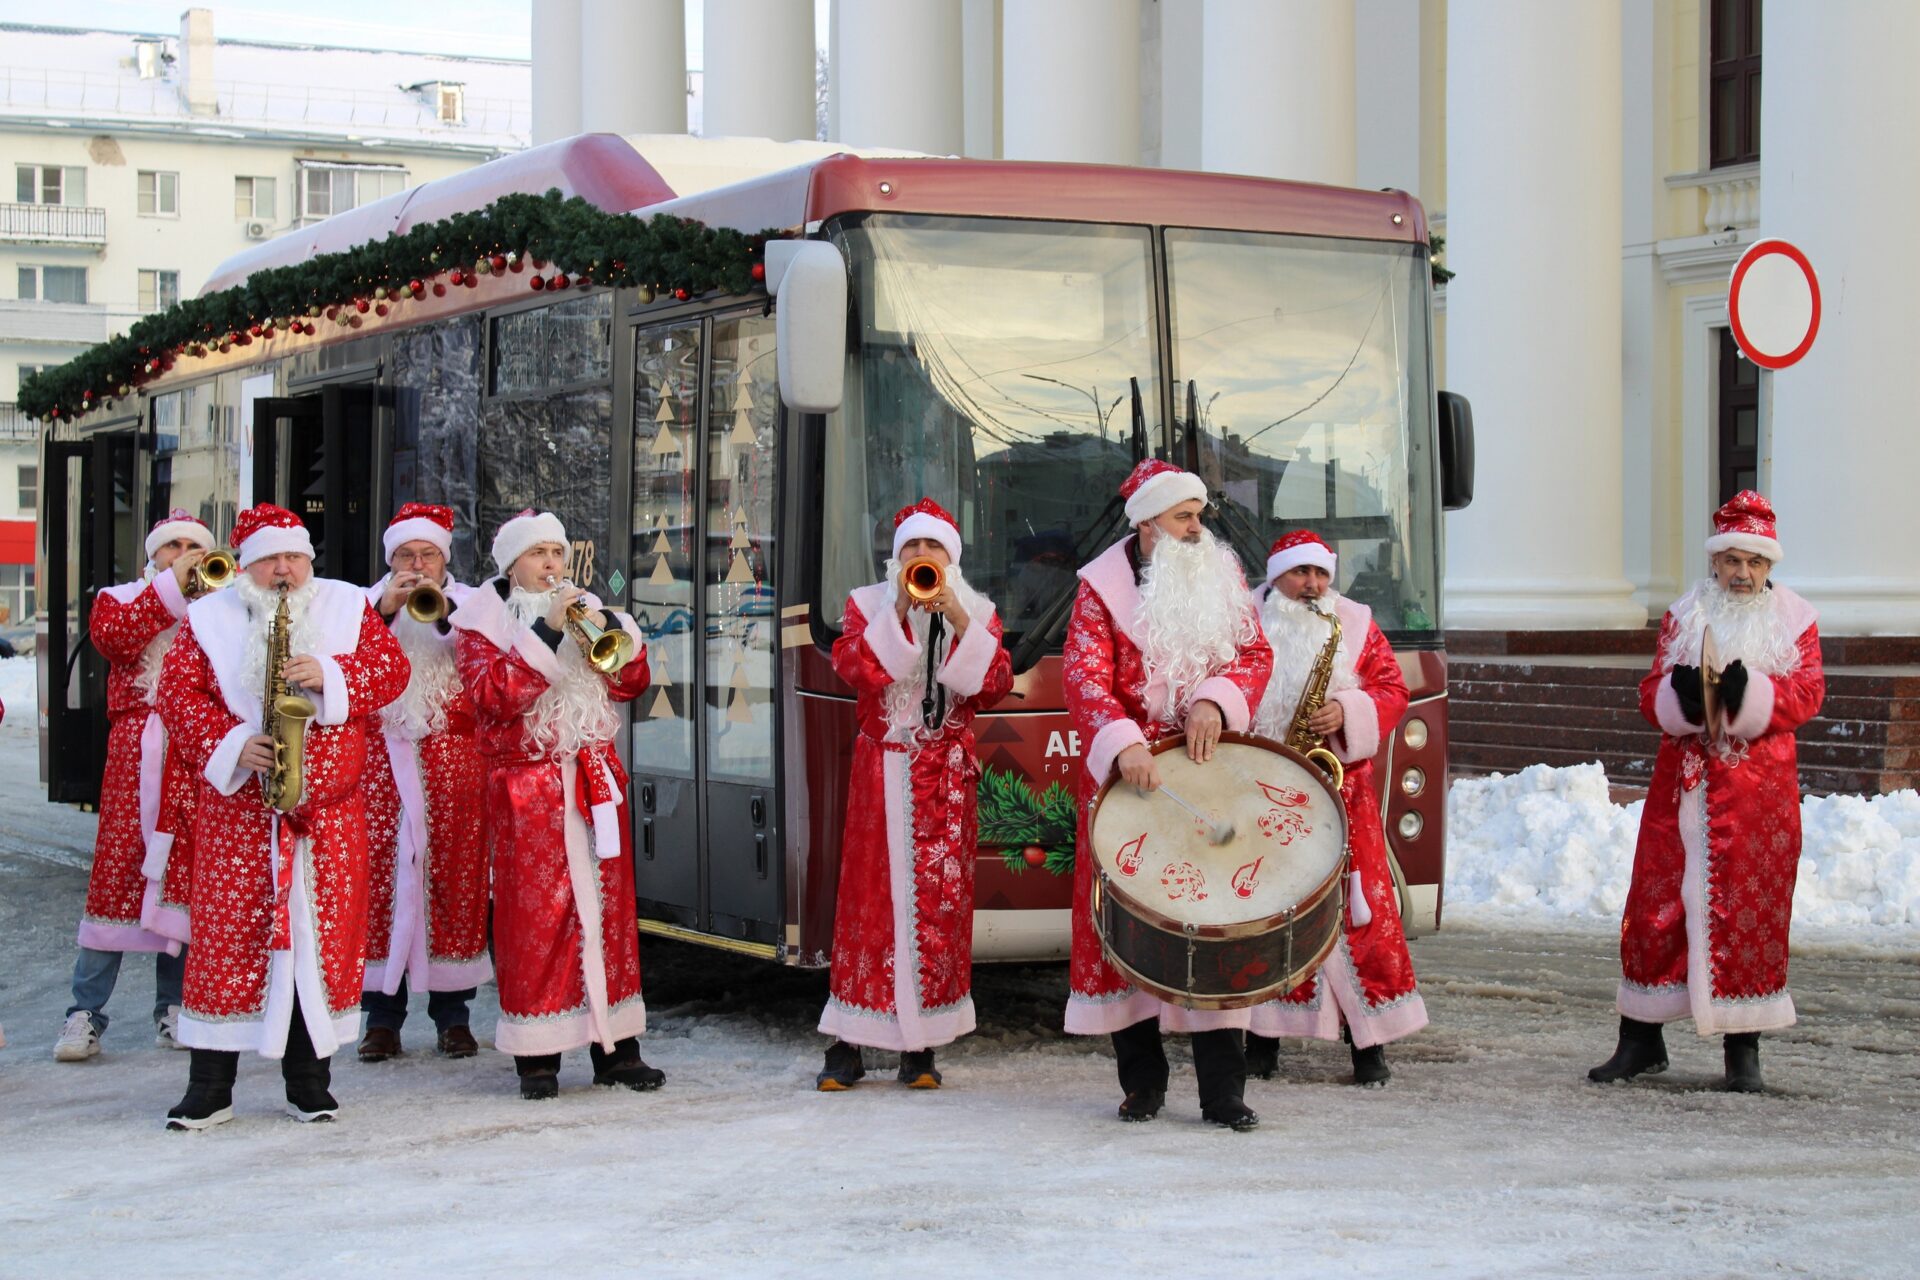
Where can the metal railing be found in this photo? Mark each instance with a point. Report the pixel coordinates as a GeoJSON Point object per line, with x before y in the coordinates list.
{"type": "Point", "coordinates": [53, 224]}
{"type": "Point", "coordinates": [15, 425]}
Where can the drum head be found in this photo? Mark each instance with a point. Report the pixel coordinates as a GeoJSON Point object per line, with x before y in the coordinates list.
{"type": "Point", "coordinates": [1289, 836]}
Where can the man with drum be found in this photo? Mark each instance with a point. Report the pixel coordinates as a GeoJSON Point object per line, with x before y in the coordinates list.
{"type": "Point", "coordinates": [1365, 990]}
{"type": "Point", "coordinates": [1164, 639]}
{"type": "Point", "coordinates": [1705, 930]}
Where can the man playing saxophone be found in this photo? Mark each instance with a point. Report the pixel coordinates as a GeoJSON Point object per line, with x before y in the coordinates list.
{"type": "Point", "coordinates": [1366, 987]}
{"type": "Point", "coordinates": [279, 884]}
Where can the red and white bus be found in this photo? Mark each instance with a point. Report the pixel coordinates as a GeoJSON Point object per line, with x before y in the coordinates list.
{"type": "Point", "coordinates": [1008, 338]}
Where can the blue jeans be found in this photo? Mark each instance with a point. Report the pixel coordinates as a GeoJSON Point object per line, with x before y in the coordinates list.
{"type": "Point", "coordinates": [446, 1008]}
{"type": "Point", "coordinates": [95, 972]}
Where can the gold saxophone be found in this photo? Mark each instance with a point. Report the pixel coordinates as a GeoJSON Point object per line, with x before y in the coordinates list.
{"type": "Point", "coordinates": [284, 717]}
{"type": "Point", "coordinates": [1300, 735]}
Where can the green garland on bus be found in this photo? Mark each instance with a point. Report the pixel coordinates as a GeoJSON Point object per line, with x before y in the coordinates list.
{"type": "Point", "coordinates": [571, 241]}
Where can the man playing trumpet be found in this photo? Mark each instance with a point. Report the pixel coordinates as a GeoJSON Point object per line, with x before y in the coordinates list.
{"type": "Point", "coordinates": [1366, 988]}
{"type": "Point", "coordinates": [566, 936]}
{"type": "Point", "coordinates": [922, 651]}
{"type": "Point", "coordinates": [1705, 929]}
{"type": "Point", "coordinates": [427, 897]}
{"type": "Point", "coordinates": [279, 832]}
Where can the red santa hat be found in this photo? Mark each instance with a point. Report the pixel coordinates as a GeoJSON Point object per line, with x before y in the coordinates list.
{"type": "Point", "coordinates": [178, 523]}
{"type": "Point", "coordinates": [1302, 546]}
{"type": "Point", "coordinates": [528, 529]}
{"type": "Point", "coordinates": [1746, 523]}
{"type": "Point", "coordinates": [266, 530]}
{"type": "Point", "coordinates": [926, 519]}
{"type": "Point", "coordinates": [1157, 487]}
{"type": "Point", "coordinates": [419, 522]}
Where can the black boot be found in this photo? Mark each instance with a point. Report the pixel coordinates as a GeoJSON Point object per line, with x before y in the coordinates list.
{"type": "Point", "coordinates": [1370, 1067]}
{"type": "Point", "coordinates": [624, 1067]}
{"type": "Point", "coordinates": [1142, 1062]}
{"type": "Point", "coordinates": [209, 1097]}
{"type": "Point", "coordinates": [306, 1075]}
{"type": "Point", "coordinates": [1220, 1064]}
{"type": "Point", "coordinates": [539, 1076]}
{"type": "Point", "coordinates": [1743, 1062]}
{"type": "Point", "coordinates": [843, 1070]}
{"type": "Point", "coordinates": [917, 1070]}
{"type": "Point", "coordinates": [1263, 1056]}
{"type": "Point", "coordinates": [1642, 1051]}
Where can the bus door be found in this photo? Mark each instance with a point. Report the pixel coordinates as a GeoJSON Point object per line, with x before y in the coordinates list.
{"type": "Point", "coordinates": [326, 456]}
{"type": "Point", "coordinates": [706, 412]}
{"type": "Point", "coordinates": [93, 540]}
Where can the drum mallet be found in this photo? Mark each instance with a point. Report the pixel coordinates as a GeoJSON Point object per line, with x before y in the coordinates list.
{"type": "Point", "coordinates": [1217, 832]}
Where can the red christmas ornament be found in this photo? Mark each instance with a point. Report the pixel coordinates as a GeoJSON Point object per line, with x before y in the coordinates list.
{"type": "Point", "coordinates": [498, 262]}
{"type": "Point", "coordinates": [381, 309]}
{"type": "Point", "coordinates": [456, 277]}
{"type": "Point", "coordinates": [418, 288]}
{"type": "Point", "coordinates": [360, 305]}
{"type": "Point", "coordinates": [559, 280]}
{"type": "Point", "coordinates": [439, 290]}
{"type": "Point", "coordinates": [254, 329]}
{"type": "Point", "coordinates": [1034, 855]}
{"type": "Point", "coordinates": [266, 334]}
{"type": "Point", "coordinates": [759, 273]}
{"type": "Point", "coordinates": [333, 313]}
{"type": "Point", "coordinates": [682, 294]}
{"type": "Point", "coordinates": [473, 280]}
{"type": "Point", "coordinates": [517, 265]}
{"type": "Point", "coordinates": [536, 284]}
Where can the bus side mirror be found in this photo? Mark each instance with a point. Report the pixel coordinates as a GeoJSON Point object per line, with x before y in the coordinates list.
{"type": "Point", "coordinates": [808, 280]}
{"type": "Point", "coordinates": [1456, 451]}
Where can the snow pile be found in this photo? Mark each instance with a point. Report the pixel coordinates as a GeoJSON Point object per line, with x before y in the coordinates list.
{"type": "Point", "coordinates": [1547, 844]}
{"type": "Point", "coordinates": [19, 694]}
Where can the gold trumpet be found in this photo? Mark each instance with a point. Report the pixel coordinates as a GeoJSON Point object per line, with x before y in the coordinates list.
{"type": "Point", "coordinates": [427, 603]}
{"type": "Point", "coordinates": [923, 579]}
{"type": "Point", "coordinates": [213, 571]}
{"type": "Point", "coordinates": [608, 652]}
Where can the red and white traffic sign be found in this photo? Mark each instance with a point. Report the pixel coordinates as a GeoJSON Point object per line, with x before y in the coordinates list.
{"type": "Point", "coordinates": [1774, 303]}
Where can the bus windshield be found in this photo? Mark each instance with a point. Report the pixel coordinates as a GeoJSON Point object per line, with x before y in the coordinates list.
{"type": "Point", "coordinates": [1011, 371]}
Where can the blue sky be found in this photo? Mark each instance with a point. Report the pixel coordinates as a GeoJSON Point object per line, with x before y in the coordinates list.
{"type": "Point", "coordinates": [496, 28]}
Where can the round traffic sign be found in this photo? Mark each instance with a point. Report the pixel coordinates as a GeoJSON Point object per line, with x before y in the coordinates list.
{"type": "Point", "coordinates": [1774, 303]}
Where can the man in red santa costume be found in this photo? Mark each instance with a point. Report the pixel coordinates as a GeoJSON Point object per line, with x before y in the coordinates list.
{"type": "Point", "coordinates": [1705, 928]}
{"type": "Point", "coordinates": [903, 920]}
{"type": "Point", "coordinates": [565, 933]}
{"type": "Point", "coordinates": [1164, 639]}
{"type": "Point", "coordinates": [279, 901]}
{"type": "Point", "coordinates": [1366, 988]}
{"type": "Point", "coordinates": [427, 898]}
{"type": "Point", "coordinates": [132, 626]}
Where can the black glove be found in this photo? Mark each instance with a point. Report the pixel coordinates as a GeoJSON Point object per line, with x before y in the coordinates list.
{"type": "Point", "coordinates": [1686, 687]}
{"type": "Point", "coordinates": [1733, 687]}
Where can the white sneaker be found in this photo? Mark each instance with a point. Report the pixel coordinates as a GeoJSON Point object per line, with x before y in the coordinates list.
{"type": "Point", "coordinates": [78, 1040]}
{"type": "Point", "coordinates": [166, 1032]}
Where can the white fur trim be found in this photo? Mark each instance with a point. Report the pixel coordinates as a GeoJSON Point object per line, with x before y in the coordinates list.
{"type": "Point", "coordinates": [1359, 737]}
{"type": "Point", "coordinates": [164, 533]}
{"type": "Point", "coordinates": [1756, 708]}
{"type": "Point", "coordinates": [484, 613]}
{"type": "Point", "coordinates": [1114, 737]}
{"type": "Point", "coordinates": [1751, 542]}
{"type": "Point", "coordinates": [1666, 709]}
{"type": "Point", "coordinates": [97, 935]}
{"type": "Point", "coordinates": [965, 669]}
{"type": "Point", "coordinates": [1306, 553]}
{"type": "Point", "coordinates": [897, 654]}
{"type": "Point", "coordinates": [334, 705]}
{"type": "Point", "coordinates": [417, 529]}
{"type": "Point", "coordinates": [223, 769]}
{"type": "Point", "coordinates": [1359, 914]}
{"type": "Point", "coordinates": [276, 540]}
{"type": "Point", "coordinates": [923, 524]}
{"type": "Point", "coordinates": [170, 594]}
{"type": "Point", "coordinates": [1163, 493]}
{"type": "Point", "coordinates": [1337, 997]}
{"type": "Point", "coordinates": [1226, 695]}
{"type": "Point", "coordinates": [219, 623]}
{"type": "Point", "coordinates": [521, 532]}
{"type": "Point", "coordinates": [1110, 574]}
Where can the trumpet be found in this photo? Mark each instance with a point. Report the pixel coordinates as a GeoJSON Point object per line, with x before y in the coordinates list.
{"type": "Point", "coordinates": [427, 603]}
{"type": "Point", "coordinates": [213, 571]}
{"type": "Point", "coordinates": [608, 652]}
{"type": "Point", "coordinates": [923, 579]}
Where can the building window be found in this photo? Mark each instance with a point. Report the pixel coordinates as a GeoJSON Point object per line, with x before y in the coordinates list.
{"type": "Point", "coordinates": [16, 594]}
{"type": "Point", "coordinates": [49, 184]}
{"type": "Point", "coordinates": [159, 194]}
{"type": "Point", "coordinates": [53, 284]}
{"type": "Point", "coordinates": [1733, 83]}
{"type": "Point", "coordinates": [329, 189]}
{"type": "Point", "coordinates": [1738, 420]}
{"type": "Point", "coordinates": [254, 198]}
{"type": "Point", "coordinates": [452, 103]}
{"type": "Point", "coordinates": [159, 290]}
{"type": "Point", "coordinates": [29, 490]}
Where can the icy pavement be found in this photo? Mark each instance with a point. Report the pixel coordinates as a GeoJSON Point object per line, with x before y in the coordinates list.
{"type": "Point", "coordinates": [1489, 1155]}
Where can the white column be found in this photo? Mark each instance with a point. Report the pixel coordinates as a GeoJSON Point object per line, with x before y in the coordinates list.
{"type": "Point", "coordinates": [1533, 319]}
{"type": "Point", "coordinates": [1182, 75]}
{"type": "Point", "coordinates": [980, 76]}
{"type": "Point", "coordinates": [1389, 126]}
{"type": "Point", "coordinates": [1277, 94]}
{"type": "Point", "coordinates": [556, 70]}
{"type": "Point", "coordinates": [896, 74]}
{"type": "Point", "coordinates": [759, 68]}
{"type": "Point", "coordinates": [1070, 74]}
{"type": "Point", "coordinates": [633, 66]}
{"type": "Point", "coordinates": [1838, 115]}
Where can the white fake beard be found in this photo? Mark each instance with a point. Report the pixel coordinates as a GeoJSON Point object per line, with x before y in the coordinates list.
{"type": "Point", "coordinates": [152, 659]}
{"type": "Point", "coordinates": [1746, 628]}
{"type": "Point", "coordinates": [902, 698]}
{"type": "Point", "coordinates": [1194, 616]}
{"type": "Point", "coordinates": [574, 712]}
{"type": "Point", "coordinates": [422, 709]}
{"type": "Point", "coordinates": [262, 602]}
{"type": "Point", "coordinates": [1297, 637]}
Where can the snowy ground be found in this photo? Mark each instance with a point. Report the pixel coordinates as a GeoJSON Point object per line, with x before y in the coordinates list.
{"type": "Point", "coordinates": [1490, 1155]}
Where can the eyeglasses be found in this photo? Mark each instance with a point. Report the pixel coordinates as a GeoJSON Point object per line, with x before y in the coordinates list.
{"type": "Point", "coordinates": [433, 556]}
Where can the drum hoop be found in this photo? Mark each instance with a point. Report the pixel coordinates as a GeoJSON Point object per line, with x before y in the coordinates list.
{"type": "Point", "coordinates": [1243, 928]}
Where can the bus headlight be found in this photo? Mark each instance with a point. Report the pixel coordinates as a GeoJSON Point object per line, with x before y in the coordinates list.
{"type": "Point", "coordinates": [1413, 782]}
{"type": "Point", "coordinates": [1411, 826]}
{"type": "Point", "coordinates": [1415, 733]}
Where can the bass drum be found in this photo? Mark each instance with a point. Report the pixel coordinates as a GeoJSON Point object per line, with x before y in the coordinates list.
{"type": "Point", "coordinates": [1228, 925]}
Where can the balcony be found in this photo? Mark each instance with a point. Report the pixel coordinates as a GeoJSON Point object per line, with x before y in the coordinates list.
{"type": "Point", "coordinates": [56, 323]}
{"type": "Point", "coordinates": [53, 224]}
{"type": "Point", "coordinates": [16, 426]}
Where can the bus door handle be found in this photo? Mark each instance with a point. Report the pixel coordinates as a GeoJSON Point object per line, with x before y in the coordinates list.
{"type": "Point", "coordinates": [646, 838]}
{"type": "Point", "coordinates": [760, 853]}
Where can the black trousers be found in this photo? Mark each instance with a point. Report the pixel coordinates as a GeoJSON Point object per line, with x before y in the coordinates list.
{"type": "Point", "coordinates": [627, 1050]}
{"type": "Point", "coordinates": [222, 1066]}
{"type": "Point", "coordinates": [1219, 1061]}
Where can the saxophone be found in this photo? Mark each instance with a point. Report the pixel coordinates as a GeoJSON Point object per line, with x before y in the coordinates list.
{"type": "Point", "coordinates": [1300, 736]}
{"type": "Point", "coordinates": [284, 717]}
